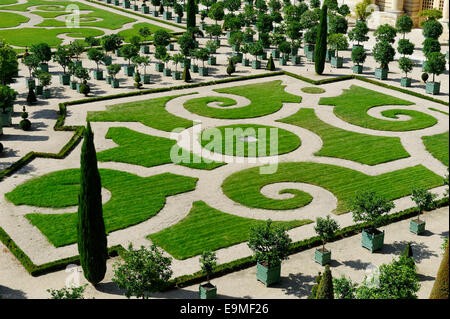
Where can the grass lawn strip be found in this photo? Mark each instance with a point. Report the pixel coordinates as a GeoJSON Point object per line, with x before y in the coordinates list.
{"type": "Point", "coordinates": [244, 186]}
{"type": "Point", "coordinates": [352, 106]}
{"type": "Point", "coordinates": [147, 150]}
{"type": "Point", "coordinates": [266, 98]}
{"type": "Point", "coordinates": [437, 145]}
{"type": "Point", "coordinates": [339, 143]}
{"type": "Point", "coordinates": [151, 113]}
{"type": "Point", "coordinates": [234, 145]}
{"type": "Point", "coordinates": [133, 199]}
{"type": "Point", "coordinates": [206, 228]}
{"type": "Point", "coordinates": [10, 20]}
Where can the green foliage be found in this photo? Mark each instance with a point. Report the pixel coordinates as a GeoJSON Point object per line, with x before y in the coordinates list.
{"type": "Point", "coordinates": [362, 10]}
{"type": "Point", "coordinates": [321, 42]}
{"type": "Point", "coordinates": [270, 64]}
{"type": "Point", "coordinates": [325, 228]}
{"type": "Point", "coordinates": [406, 65]}
{"type": "Point", "coordinates": [82, 73]}
{"type": "Point", "coordinates": [7, 97]}
{"type": "Point", "coordinates": [129, 51]}
{"type": "Point", "coordinates": [187, 43]}
{"type": "Point", "coordinates": [423, 198]}
{"type": "Point", "coordinates": [432, 29]}
{"type": "Point", "coordinates": [404, 24]}
{"type": "Point", "coordinates": [96, 55]}
{"type": "Point", "coordinates": [137, 80]}
{"type": "Point", "coordinates": [385, 33]}
{"type": "Point", "coordinates": [9, 65]}
{"type": "Point", "coordinates": [315, 287]}
{"type": "Point", "coordinates": [338, 42]}
{"type": "Point", "coordinates": [31, 97]}
{"type": "Point", "coordinates": [161, 38]}
{"type": "Point", "coordinates": [142, 272]}
{"type": "Point", "coordinates": [186, 74]}
{"type": "Point", "coordinates": [368, 206]}
{"type": "Point", "coordinates": [435, 63]}
{"type": "Point", "coordinates": [337, 24]}
{"type": "Point", "coordinates": [310, 36]}
{"type": "Point", "coordinates": [92, 242]}
{"type": "Point", "coordinates": [85, 88]}
{"type": "Point", "coordinates": [190, 14]}
{"type": "Point", "coordinates": [383, 53]}
{"type": "Point", "coordinates": [216, 11]}
{"type": "Point", "coordinates": [430, 45]}
{"type": "Point", "coordinates": [407, 252]}
{"type": "Point", "coordinates": [111, 42]}
{"type": "Point", "coordinates": [62, 56]}
{"type": "Point", "coordinates": [113, 69]}
{"type": "Point", "coordinates": [325, 289]}
{"type": "Point", "coordinates": [359, 55]}
{"type": "Point", "coordinates": [42, 52]}
{"type": "Point", "coordinates": [76, 48]}
{"type": "Point", "coordinates": [424, 77]}
{"type": "Point", "coordinates": [92, 41]}
{"type": "Point", "coordinates": [208, 261]}
{"type": "Point", "coordinates": [405, 47]}
{"type": "Point", "coordinates": [440, 287]}
{"type": "Point", "coordinates": [359, 32]}
{"type": "Point", "coordinates": [344, 288]}
{"type": "Point", "coordinates": [270, 244]}
{"type": "Point", "coordinates": [67, 293]}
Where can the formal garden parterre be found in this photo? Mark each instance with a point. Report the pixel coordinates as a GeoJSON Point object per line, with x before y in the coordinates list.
{"type": "Point", "coordinates": [333, 141]}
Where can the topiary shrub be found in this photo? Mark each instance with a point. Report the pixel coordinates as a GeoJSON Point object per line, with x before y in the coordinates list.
{"type": "Point", "coordinates": [270, 65]}
{"type": "Point", "coordinates": [315, 287]}
{"type": "Point", "coordinates": [31, 97]}
{"type": "Point", "coordinates": [137, 80]}
{"type": "Point", "coordinates": [25, 124]}
{"type": "Point", "coordinates": [84, 88]}
{"type": "Point", "coordinates": [424, 77]}
{"type": "Point", "coordinates": [186, 74]}
{"type": "Point", "coordinates": [325, 290]}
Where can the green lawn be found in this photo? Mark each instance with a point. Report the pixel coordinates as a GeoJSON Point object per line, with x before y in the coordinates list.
{"type": "Point", "coordinates": [29, 36]}
{"type": "Point", "coordinates": [4, 2]}
{"type": "Point", "coordinates": [206, 228]}
{"type": "Point", "coordinates": [10, 20]}
{"type": "Point", "coordinates": [151, 113]}
{"type": "Point", "coordinates": [270, 140]}
{"type": "Point", "coordinates": [312, 90]}
{"type": "Point", "coordinates": [133, 199]}
{"type": "Point", "coordinates": [147, 150]}
{"type": "Point", "coordinates": [362, 148]}
{"type": "Point", "coordinates": [438, 146]}
{"type": "Point", "coordinates": [244, 186]}
{"type": "Point", "coordinates": [127, 34]}
{"type": "Point", "coordinates": [352, 106]}
{"type": "Point", "coordinates": [266, 98]}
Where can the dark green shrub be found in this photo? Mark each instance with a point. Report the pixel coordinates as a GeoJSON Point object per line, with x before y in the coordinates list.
{"type": "Point", "coordinates": [25, 124]}
{"type": "Point", "coordinates": [84, 88]}
{"type": "Point", "coordinates": [31, 97]}
{"type": "Point", "coordinates": [186, 74]}
{"type": "Point", "coordinates": [321, 42]}
{"type": "Point", "coordinates": [1, 148]}
{"type": "Point", "coordinates": [424, 77]}
{"type": "Point", "coordinates": [325, 290]}
{"type": "Point", "coordinates": [137, 80]}
{"type": "Point", "coordinates": [270, 65]}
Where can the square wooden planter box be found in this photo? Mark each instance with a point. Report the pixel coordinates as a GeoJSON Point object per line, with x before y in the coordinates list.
{"type": "Point", "coordinates": [372, 242]}
{"type": "Point", "coordinates": [46, 94]}
{"type": "Point", "coordinates": [275, 54]}
{"type": "Point", "coordinates": [108, 1]}
{"type": "Point", "coordinates": [330, 54]}
{"type": "Point", "coordinates": [117, 53]}
{"type": "Point", "coordinates": [155, 13]}
{"type": "Point", "coordinates": [145, 49]}
{"type": "Point", "coordinates": [263, 56]}
{"type": "Point", "coordinates": [170, 47]}
{"type": "Point", "coordinates": [381, 74]}
{"type": "Point", "coordinates": [167, 15]}
{"type": "Point", "coordinates": [308, 48]}
{"type": "Point", "coordinates": [405, 82]}
{"type": "Point", "coordinates": [73, 85]}
{"type": "Point", "coordinates": [203, 71]}
{"type": "Point", "coordinates": [295, 59]}
{"type": "Point", "coordinates": [64, 79]}
{"type": "Point", "coordinates": [79, 87]}
{"type": "Point", "coordinates": [424, 64]}
{"type": "Point", "coordinates": [310, 56]}
{"type": "Point", "coordinates": [145, 78]}
{"type": "Point", "coordinates": [43, 67]}
{"type": "Point", "coordinates": [135, 7]}
{"type": "Point", "coordinates": [337, 62]}
{"type": "Point", "coordinates": [178, 19]}
{"type": "Point", "coordinates": [268, 276]}
{"type": "Point", "coordinates": [322, 257]}
{"type": "Point", "coordinates": [167, 72]}
{"type": "Point", "coordinates": [294, 51]}
{"type": "Point", "coordinates": [114, 83]}
{"type": "Point", "coordinates": [126, 4]}
{"type": "Point", "coordinates": [282, 61]}
{"type": "Point", "coordinates": [417, 226]}
{"type": "Point", "coordinates": [176, 75]}
{"type": "Point", "coordinates": [159, 67]}
{"type": "Point", "coordinates": [98, 75]}
{"type": "Point", "coordinates": [128, 70]}
{"type": "Point", "coordinates": [194, 68]}
{"type": "Point", "coordinates": [256, 64]}
{"type": "Point", "coordinates": [116, 2]}
{"type": "Point", "coordinates": [212, 60]}
{"type": "Point", "coordinates": [433, 87]}
{"type": "Point", "coordinates": [108, 80]}
{"type": "Point", "coordinates": [145, 9]}
{"type": "Point", "coordinates": [6, 118]}
{"type": "Point", "coordinates": [207, 291]}
{"type": "Point", "coordinates": [245, 62]}
{"type": "Point", "coordinates": [358, 69]}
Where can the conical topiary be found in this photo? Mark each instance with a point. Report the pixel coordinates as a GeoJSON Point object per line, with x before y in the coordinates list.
{"type": "Point", "coordinates": [407, 252]}
{"type": "Point", "coordinates": [325, 290]}
{"type": "Point", "coordinates": [321, 42]}
{"type": "Point", "coordinates": [186, 74]}
{"type": "Point", "coordinates": [315, 286]}
{"type": "Point", "coordinates": [440, 286]}
{"type": "Point", "coordinates": [137, 80]}
{"type": "Point", "coordinates": [31, 97]}
{"type": "Point", "coordinates": [92, 242]}
{"type": "Point", "coordinates": [270, 65]}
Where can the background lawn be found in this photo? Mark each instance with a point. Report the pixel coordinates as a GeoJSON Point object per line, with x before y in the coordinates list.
{"type": "Point", "coordinates": [266, 98]}
{"type": "Point", "coordinates": [244, 186]}
{"type": "Point", "coordinates": [147, 150]}
{"type": "Point", "coordinates": [206, 228]}
{"type": "Point", "coordinates": [352, 106]}
{"type": "Point", "coordinates": [362, 148]}
{"type": "Point", "coordinates": [151, 113]}
{"type": "Point", "coordinates": [9, 19]}
{"type": "Point", "coordinates": [437, 145]}
{"type": "Point", "coordinates": [282, 141]}
{"type": "Point", "coordinates": [133, 199]}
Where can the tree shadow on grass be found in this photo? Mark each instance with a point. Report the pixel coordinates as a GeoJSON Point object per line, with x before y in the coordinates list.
{"type": "Point", "coordinates": [298, 285]}
{"type": "Point", "coordinates": [8, 293]}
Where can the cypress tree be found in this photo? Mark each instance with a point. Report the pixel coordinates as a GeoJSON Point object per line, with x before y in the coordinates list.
{"type": "Point", "coordinates": [190, 14]}
{"type": "Point", "coordinates": [325, 290]}
{"type": "Point", "coordinates": [92, 242]}
{"type": "Point", "coordinates": [321, 42]}
{"type": "Point", "coordinates": [186, 74]}
{"type": "Point", "coordinates": [407, 252]}
{"type": "Point", "coordinates": [270, 64]}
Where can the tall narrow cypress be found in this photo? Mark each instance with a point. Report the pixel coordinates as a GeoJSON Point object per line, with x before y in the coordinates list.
{"type": "Point", "coordinates": [190, 14]}
{"type": "Point", "coordinates": [321, 42]}
{"type": "Point", "coordinates": [92, 242]}
{"type": "Point", "coordinates": [325, 290]}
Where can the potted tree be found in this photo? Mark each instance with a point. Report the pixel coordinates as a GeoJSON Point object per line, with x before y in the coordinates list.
{"type": "Point", "coordinates": [214, 31]}
{"type": "Point", "coordinates": [325, 228]}
{"type": "Point", "coordinates": [406, 65]}
{"type": "Point", "coordinates": [162, 38]}
{"type": "Point", "coordinates": [45, 79]}
{"type": "Point", "coordinates": [144, 8]}
{"type": "Point", "coordinates": [44, 54]}
{"type": "Point", "coordinates": [155, 4]}
{"type": "Point", "coordinates": [435, 65]}
{"type": "Point", "coordinates": [383, 52]}
{"type": "Point", "coordinates": [178, 8]}
{"type": "Point", "coordinates": [62, 57]}
{"type": "Point", "coordinates": [145, 33]}
{"type": "Point", "coordinates": [39, 87]}
{"type": "Point", "coordinates": [203, 15]}
{"type": "Point", "coordinates": [72, 67]}
{"type": "Point", "coordinates": [358, 57]}
{"type": "Point", "coordinates": [165, 59]}
{"type": "Point", "coordinates": [236, 40]}
{"type": "Point", "coordinates": [113, 69]}
{"type": "Point", "coordinates": [160, 52]}
{"type": "Point", "coordinates": [359, 34]}
{"type": "Point", "coordinates": [135, 6]}
{"type": "Point", "coordinates": [145, 61]}
{"type": "Point", "coordinates": [338, 42]}
{"type": "Point", "coordinates": [276, 39]}
{"type": "Point", "coordinates": [25, 123]}
{"type": "Point", "coordinates": [195, 58]}
{"type": "Point", "coordinates": [76, 49]}
{"type": "Point", "coordinates": [96, 55]}
{"type": "Point", "coordinates": [248, 35]}
{"type": "Point", "coordinates": [285, 49]}
{"type": "Point", "coordinates": [244, 50]}
{"type": "Point", "coordinates": [211, 46]}
{"type": "Point", "coordinates": [310, 39]}
{"type": "Point", "coordinates": [126, 4]}
{"type": "Point", "coordinates": [371, 208]}
{"type": "Point", "coordinates": [110, 43]}
{"type": "Point", "coordinates": [270, 246]}
{"type": "Point", "coordinates": [177, 58]}
{"type": "Point", "coordinates": [187, 44]}
{"type": "Point", "coordinates": [7, 98]}
{"type": "Point", "coordinates": [431, 30]}
{"type": "Point", "coordinates": [425, 201]}
{"type": "Point", "coordinates": [31, 62]}
{"type": "Point", "coordinates": [167, 15]}
{"type": "Point", "coordinates": [129, 51]}
{"type": "Point", "coordinates": [82, 74]}
{"type": "Point", "coordinates": [203, 55]}
{"type": "Point", "coordinates": [256, 49]}
{"type": "Point", "coordinates": [208, 261]}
